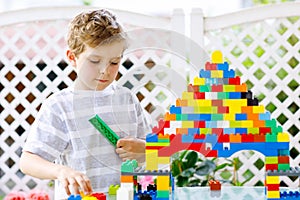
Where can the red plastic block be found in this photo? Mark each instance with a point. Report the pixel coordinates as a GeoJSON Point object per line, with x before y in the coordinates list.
{"type": "Point", "coordinates": [199, 124]}
{"type": "Point", "coordinates": [199, 136]}
{"type": "Point", "coordinates": [273, 187]}
{"type": "Point", "coordinates": [193, 88]}
{"type": "Point", "coordinates": [247, 138]}
{"type": "Point", "coordinates": [217, 88]}
{"type": "Point", "coordinates": [235, 81]}
{"type": "Point", "coordinates": [210, 66]}
{"type": "Point", "coordinates": [223, 109]}
{"type": "Point", "coordinates": [224, 138]}
{"type": "Point", "coordinates": [217, 131]}
{"type": "Point", "coordinates": [259, 138]}
{"type": "Point", "coordinates": [264, 130]}
{"type": "Point", "coordinates": [217, 102]}
{"type": "Point", "coordinates": [99, 196]}
{"type": "Point", "coordinates": [214, 185]}
{"type": "Point", "coordinates": [271, 167]}
{"type": "Point", "coordinates": [199, 95]}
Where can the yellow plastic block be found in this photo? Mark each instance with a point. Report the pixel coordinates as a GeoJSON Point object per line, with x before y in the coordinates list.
{"type": "Point", "coordinates": [272, 180]}
{"type": "Point", "coordinates": [273, 194]}
{"type": "Point", "coordinates": [180, 102]}
{"type": "Point", "coordinates": [164, 160]}
{"type": "Point", "coordinates": [187, 95]}
{"type": "Point", "coordinates": [247, 123]}
{"type": "Point", "coordinates": [192, 103]}
{"type": "Point", "coordinates": [217, 57]}
{"type": "Point", "coordinates": [229, 117]}
{"type": "Point", "coordinates": [228, 88]}
{"type": "Point", "coordinates": [187, 124]}
{"type": "Point", "coordinates": [216, 74]}
{"type": "Point", "coordinates": [199, 81]}
{"type": "Point", "coordinates": [203, 102]}
{"type": "Point", "coordinates": [151, 159]}
{"type": "Point", "coordinates": [258, 109]}
{"type": "Point", "coordinates": [235, 124]}
{"type": "Point", "coordinates": [235, 109]}
{"type": "Point", "coordinates": [271, 160]}
{"type": "Point", "coordinates": [163, 182]}
{"type": "Point", "coordinates": [89, 198]}
{"type": "Point", "coordinates": [206, 109]}
{"type": "Point", "coordinates": [205, 130]}
{"type": "Point", "coordinates": [283, 137]}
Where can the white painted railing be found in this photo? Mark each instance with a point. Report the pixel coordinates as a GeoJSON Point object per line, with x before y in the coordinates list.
{"type": "Point", "coordinates": [261, 44]}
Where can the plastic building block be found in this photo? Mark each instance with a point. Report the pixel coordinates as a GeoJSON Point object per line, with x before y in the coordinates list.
{"type": "Point", "coordinates": [75, 197]}
{"type": "Point", "coordinates": [102, 127]}
{"type": "Point", "coordinates": [99, 196]}
{"type": "Point", "coordinates": [129, 166]}
{"type": "Point", "coordinates": [214, 185]}
{"type": "Point", "coordinates": [113, 189]}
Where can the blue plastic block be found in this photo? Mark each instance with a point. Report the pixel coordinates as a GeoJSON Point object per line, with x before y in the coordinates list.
{"type": "Point", "coordinates": [151, 137]}
{"type": "Point", "coordinates": [193, 117]}
{"type": "Point", "coordinates": [211, 138]}
{"type": "Point", "coordinates": [74, 197]}
{"type": "Point", "coordinates": [265, 116]}
{"type": "Point", "coordinates": [235, 95]}
{"type": "Point", "coordinates": [241, 130]}
{"type": "Point", "coordinates": [193, 131]}
{"type": "Point", "coordinates": [224, 81]}
{"type": "Point", "coordinates": [175, 110]}
{"type": "Point", "coordinates": [211, 81]}
{"type": "Point", "coordinates": [187, 138]}
{"type": "Point", "coordinates": [229, 130]}
{"type": "Point", "coordinates": [204, 74]}
{"type": "Point", "coordinates": [242, 116]}
{"type": "Point", "coordinates": [205, 117]}
{"type": "Point", "coordinates": [229, 74]}
{"type": "Point", "coordinates": [211, 124]}
{"type": "Point", "coordinates": [223, 66]}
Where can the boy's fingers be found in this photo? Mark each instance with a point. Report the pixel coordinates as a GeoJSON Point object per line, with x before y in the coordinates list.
{"type": "Point", "coordinates": [65, 183]}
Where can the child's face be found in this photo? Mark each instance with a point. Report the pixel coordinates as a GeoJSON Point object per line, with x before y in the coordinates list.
{"type": "Point", "coordinates": [98, 67]}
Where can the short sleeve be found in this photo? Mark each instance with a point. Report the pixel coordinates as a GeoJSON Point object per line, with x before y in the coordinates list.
{"type": "Point", "coordinates": [47, 137]}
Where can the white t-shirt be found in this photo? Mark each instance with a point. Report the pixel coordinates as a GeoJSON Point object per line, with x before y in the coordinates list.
{"type": "Point", "coordinates": [62, 132]}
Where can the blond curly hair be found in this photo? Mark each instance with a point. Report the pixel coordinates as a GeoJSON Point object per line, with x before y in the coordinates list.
{"type": "Point", "coordinates": [93, 28]}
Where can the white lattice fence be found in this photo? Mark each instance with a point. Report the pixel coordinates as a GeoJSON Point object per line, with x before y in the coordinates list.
{"type": "Point", "coordinates": [264, 50]}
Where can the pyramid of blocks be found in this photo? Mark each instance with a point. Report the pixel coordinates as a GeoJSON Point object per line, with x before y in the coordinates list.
{"type": "Point", "coordinates": [218, 116]}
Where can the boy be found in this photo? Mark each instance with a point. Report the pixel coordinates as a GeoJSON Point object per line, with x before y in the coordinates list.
{"type": "Point", "coordinates": [84, 160]}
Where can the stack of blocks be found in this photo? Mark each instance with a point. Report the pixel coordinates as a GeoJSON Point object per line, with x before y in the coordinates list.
{"type": "Point", "coordinates": [217, 116]}
{"type": "Point", "coordinates": [129, 185]}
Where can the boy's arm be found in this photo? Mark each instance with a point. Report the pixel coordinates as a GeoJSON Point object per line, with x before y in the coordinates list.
{"type": "Point", "coordinates": [38, 167]}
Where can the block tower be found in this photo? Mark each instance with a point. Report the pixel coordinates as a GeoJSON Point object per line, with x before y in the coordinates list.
{"type": "Point", "coordinates": [217, 116]}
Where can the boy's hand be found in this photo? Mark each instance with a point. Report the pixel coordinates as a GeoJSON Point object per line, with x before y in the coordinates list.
{"type": "Point", "coordinates": [131, 148]}
{"type": "Point", "coordinates": [74, 179]}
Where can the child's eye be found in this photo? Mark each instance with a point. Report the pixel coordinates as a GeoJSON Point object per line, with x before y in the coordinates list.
{"type": "Point", "coordinates": [94, 61]}
{"type": "Point", "coordinates": [114, 63]}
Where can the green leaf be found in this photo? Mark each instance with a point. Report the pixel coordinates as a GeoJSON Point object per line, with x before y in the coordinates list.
{"type": "Point", "coordinates": [175, 168]}
{"type": "Point", "coordinates": [182, 181]}
{"type": "Point", "coordinates": [191, 159]}
{"type": "Point", "coordinates": [205, 168]}
{"type": "Point", "coordinates": [222, 166]}
{"type": "Point", "coordinates": [188, 172]}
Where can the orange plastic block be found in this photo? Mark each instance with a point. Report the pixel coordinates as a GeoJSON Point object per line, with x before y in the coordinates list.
{"type": "Point", "coordinates": [170, 117]}
{"type": "Point", "coordinates": [235, 138]}
{"type": "Point", "coordinates": [241, 88]}
{"type": "Point", "coordinates": [283, 159]}
{"type": "Point", "coordinates": [259, 123]}
{"type": "Point", "coordinates": [259, 138]}
{"type": "Point", "coordinates": [247, 109]}
{"type": "Point", "coordinates": [126, 179]}
{"type": "Point", "coordinates": [193, 88]}
{"type": "Point", "coordinates": [252, 116]}
{"type": "Point", "coordinates": [180, 102]}
{"type": "Point", "coordinates": [181, 130]}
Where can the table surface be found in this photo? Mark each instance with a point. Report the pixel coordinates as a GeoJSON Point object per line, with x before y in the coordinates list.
{"type": "Point", "coordinates": [226, 193]}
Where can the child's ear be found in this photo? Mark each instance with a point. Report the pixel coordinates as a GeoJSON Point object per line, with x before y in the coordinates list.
{"type": "Point", "coordinates": [71, 57]}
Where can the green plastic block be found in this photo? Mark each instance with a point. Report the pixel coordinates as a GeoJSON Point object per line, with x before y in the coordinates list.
{"type": "Point", "coordinates": [271, 138]}
{"type": "Point", "coordinates": [178, 117]}
{"type": "Point", "coordinates": [271, 123]}
{"type": "Point", "coordinates": [129, 166]}
{"type": "Point", "coordinates": [283, 167]}
{"type": "Point", "coordinates": [113, 189]}
{"type": "Point", "coordinates": [163, 194]}
{"type": "Point", "coordinates": [217, 117]}
{"type": "Point", "coordinates": [276, 130]}
{"type": "Point", "coordinates": [184, 117]}
{"type": "Point", "coordinates": [205, 88]}
{"type": "Point", "coordinates": [223, 95]}
{"type": "Point", "coordinates": [102, 127]}
{"type": "Point", "coordinates": [253, 130]}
